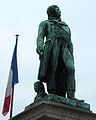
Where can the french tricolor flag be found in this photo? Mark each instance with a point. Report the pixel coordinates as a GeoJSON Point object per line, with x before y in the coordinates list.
{"type": "Point", "coordinates": [12, 80]}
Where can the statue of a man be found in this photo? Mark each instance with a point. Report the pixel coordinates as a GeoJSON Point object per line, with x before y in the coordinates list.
{"type": "Point", "coordinates": [55, 51]}
{"type": "Point", "coordinates": [39, 89]}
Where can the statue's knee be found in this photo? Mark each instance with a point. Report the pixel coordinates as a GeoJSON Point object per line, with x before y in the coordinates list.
{"type": "Point", "coordinates": [71, 70]}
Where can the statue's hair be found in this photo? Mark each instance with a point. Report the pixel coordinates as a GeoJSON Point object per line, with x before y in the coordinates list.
{"type": "Point", "coordinates": [51, 10]}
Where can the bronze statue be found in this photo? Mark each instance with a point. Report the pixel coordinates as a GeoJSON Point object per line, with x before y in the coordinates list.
{"type": "Point", "coordinates": [55, 51]}
{"type": "Point", "coordinates": [39, 89]}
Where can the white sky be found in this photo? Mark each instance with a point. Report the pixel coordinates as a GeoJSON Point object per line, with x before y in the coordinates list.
{"type": "Point", "coordinates": [23, 17]}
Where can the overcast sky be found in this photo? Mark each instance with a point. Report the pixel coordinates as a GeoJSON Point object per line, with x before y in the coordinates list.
{"type": "Point", "coordinates": [23, 17]}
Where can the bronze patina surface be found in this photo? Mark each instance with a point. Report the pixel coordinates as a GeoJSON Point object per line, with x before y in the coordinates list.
{"type": "Point", "coordinates": [55, 50]}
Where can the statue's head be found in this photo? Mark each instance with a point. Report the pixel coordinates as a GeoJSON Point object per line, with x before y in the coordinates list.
{"type": "Point", "coordinates": [39, 87]}
{"type": "Point", "coordinates": [53, 11]}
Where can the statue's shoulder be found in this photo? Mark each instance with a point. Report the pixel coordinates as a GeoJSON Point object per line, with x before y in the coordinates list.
{"type": "Point", "coordinates": [65, 27]}
{"type": "Point", "coordinates": [44, 22]}
{"type": "Point", "coordinates": [64, 23]}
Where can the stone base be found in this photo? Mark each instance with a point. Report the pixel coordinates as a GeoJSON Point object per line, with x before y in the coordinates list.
{"type": "Point", "coordinates": [72, 102]}
{"type": "Point", "coordinates": [49, 110]}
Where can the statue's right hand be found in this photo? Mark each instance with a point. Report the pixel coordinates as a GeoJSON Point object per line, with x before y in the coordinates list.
{"type": "Point", "coordinates": [39, 50]}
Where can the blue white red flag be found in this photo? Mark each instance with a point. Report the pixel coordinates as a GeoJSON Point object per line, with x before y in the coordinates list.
{"type": "Point", "coordinates": [12, 80]}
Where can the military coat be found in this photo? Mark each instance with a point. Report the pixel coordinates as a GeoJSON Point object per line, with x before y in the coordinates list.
{"type": "Point", "coordinates": [54, 37]}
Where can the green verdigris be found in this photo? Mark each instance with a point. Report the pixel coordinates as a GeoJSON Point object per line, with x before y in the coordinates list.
{"type": "Point", "coordinates": [39, 89]}
{"type": "Point", "coordinates": [55, 50]}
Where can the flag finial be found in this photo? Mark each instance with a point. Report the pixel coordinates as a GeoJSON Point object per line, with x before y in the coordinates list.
{"type": "Point", "coordinates": [16, 36]}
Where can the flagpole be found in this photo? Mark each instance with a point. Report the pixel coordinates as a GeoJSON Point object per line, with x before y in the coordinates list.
{"type": "Point", "coordinates": [11, 109]}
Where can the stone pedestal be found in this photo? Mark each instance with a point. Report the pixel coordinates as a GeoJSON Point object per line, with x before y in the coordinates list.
{"type": "Point", "coordinates": [49, 110]}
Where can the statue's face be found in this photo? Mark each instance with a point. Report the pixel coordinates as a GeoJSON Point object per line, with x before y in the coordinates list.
{"type": "Point", "coordinates": [57, 12]}
{"type": "Point", "coordinates": [36, 87]}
